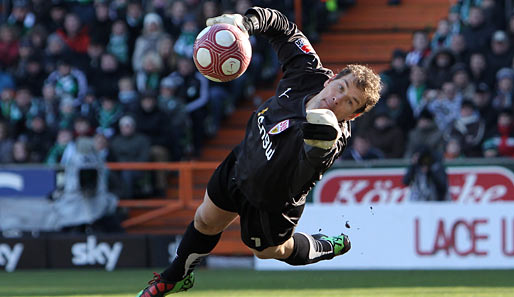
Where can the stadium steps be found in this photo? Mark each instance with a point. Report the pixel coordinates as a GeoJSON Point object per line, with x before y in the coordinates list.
{"type": "Point", "coordinates": [367, 33]}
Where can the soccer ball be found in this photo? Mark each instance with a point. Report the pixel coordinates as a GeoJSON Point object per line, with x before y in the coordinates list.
{"type": "Point", "coordinates": [222, 52]}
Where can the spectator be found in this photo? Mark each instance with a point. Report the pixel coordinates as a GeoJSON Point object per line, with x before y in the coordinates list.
{"type": "Point", "coordinates": [50, 105]}
{"type": "Point", "coordinates": [454, 20]}
{"type": "Point", "coordinates": [153, 123]}
{"type": "Point", "coordinates": [54, 52]}
{"type": "Point", "coordinates": [68, 81]}
{"type": "Point", "coordinates": [175, 18]}
{"type": "Point", "coordinates": [22, 111]}
{"type": "Point", "coordinates": [147, 42]}
{"type": "Point", "coordinates": [426, 177]}
{"type": "Point", "coordinates": [167, 54]}
{"type": "Point", "coordinates": [504, 90]}
{"type": "Point", "coordinates": [57, 14]}
{"type": "Point", "coordinates": [386, 136]}
{"type": "Point", "coordinates": [108, 116]}
{"type": "Point", "coordinates": [6, 104]}
{"type": "Point", "coordinates": [438, 68]}
{"type": "Point", "coordinates": [6, 80]}
{"type": "Point", "coordinates": [64, 139]}
{"type": "Point", "coordinates": [149, 77]}
{"type": "Point", "coordinates": [127, 94]}
{"type": "Point", "coordinates": [500, 142]}
{"type": "Point", "coordinates": [398, 73]}
{"type": "Point", "coordinates": [459, 48]}
{"type": "Point", "coordinates": [66, 114]}
{"type": "Point", "coordinates": [37, 38]}
{"type": "Point", "coordinates": [33, 75]}
{"type": "Point", "coordinates": [178, 120]}
{"type": "Point", "coordinates": [400, 112]}
{"type": "Point", "coordinates": [445, 107]}
{"type": "Point", "coordinates": [106, 78]}
{"type": "Point", "coordinates": [477, 31]}
{"type": "Point", "coordinates": [453, 150]}
{"type": "Point", "coordinates": [130, 146]}
{"type": "Point", "coordinates": [442, 35]}
{"type": "Point", "coordinates": [361, 150]}
{"type": "Point", "coordinates": [134, 20]}
{"type": "Point", "coordinates": [39, 139]}
{"type": "Point", "coordinates": [469, 130]}
{"type": "Point", "coordinates": [119, 43]}
{"type": "Point", "coordinates": [482, 100]}
{"type": "Point", "coordinates": [91, 63]}
{"type": "Point", "coordinates": [426, 133]}
{"type": "Point", "coordinates": [21, 17]}
{"type": "Point", "coordinates": [500, 54]}
{"type": "Point", "coordinates": [6, 144]}
{"type": "Point", "coordinates": [25, 51]}
{"type": "Point", "coordinates": [461, 80]}
{"type": "Point", "coordinates": [420, 48]}
{"type": "Point", "coordinates": [479, 72]}
{"type": "Point", "coordinates": [82, 128]}
{"type": "Point", "coordinates": [185, 41]}
{"type": "Point", "coordinates": [74, 34]}
{"type": "Point", "coordinates": [89, 107]}
{"type": "Point", "coordinates": [9, 46]}
{"type": "Point", "coordinates": [416, 89]}
{"type": "Point", "coordinates": [102, 147]}
{"type": "Point", "coordinates": [20, 153]}
{"type": "Point", "coordinates": [494, 12]}
{"type": "Point", "coordinates": [193, 89]}
{"type": "Point", "coordinates": [101, 26]}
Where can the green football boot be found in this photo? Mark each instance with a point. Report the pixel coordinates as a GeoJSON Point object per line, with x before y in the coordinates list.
{"type": "Point", "coordinates": [159, 287]}
{"type": "Point", "coordinates": [341, 244]}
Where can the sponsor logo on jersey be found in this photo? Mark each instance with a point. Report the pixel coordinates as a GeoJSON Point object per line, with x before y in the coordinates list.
{"type": "Point", "coordinates": [304, 46]}
{"type": "Point", "coordinates": [266, 141]}
{"type": "Point", "coordinates": [279, 128]}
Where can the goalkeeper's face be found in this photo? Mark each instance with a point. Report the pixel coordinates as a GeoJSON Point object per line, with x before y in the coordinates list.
{"type": "Point", "coordinates": [341, 96]}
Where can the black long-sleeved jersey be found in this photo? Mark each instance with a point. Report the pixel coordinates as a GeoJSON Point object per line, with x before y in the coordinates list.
{"type": "Point", "coordinates": [274, 167]}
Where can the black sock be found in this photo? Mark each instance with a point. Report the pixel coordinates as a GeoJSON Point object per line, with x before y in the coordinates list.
{"type": "Point", "coordinates": [191, 250]}
{"type": "Point", "coordinates": [308, 250]}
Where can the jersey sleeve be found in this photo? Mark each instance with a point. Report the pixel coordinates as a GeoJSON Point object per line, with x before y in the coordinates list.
{"type": "Point", "coordinates": [294, 50]}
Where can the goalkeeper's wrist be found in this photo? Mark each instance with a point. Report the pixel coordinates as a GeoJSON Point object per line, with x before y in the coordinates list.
{"type": "Point", "coordinates": [251, 23]}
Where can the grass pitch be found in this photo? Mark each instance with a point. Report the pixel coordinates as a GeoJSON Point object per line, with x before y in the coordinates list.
{"type": "Point", "coordinates": [222, 283]}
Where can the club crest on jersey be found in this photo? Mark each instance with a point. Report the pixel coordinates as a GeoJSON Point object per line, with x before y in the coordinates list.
{"type": "Point", "coordinates": [304, 46]}
{"type": "Point", "coordinates": [279, 128]}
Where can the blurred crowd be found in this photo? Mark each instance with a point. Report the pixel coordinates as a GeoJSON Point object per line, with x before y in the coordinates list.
{"type": "Point", "coordinates": [451, 93]}
{"type": "Point", "coordinates": [121, 72]}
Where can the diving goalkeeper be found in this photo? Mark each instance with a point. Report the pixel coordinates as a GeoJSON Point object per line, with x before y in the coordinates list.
{"type": "Point", "coordinates": [290, 141]}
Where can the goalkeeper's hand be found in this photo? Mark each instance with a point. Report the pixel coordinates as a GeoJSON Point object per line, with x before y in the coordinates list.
{"type": "Point", "coordinates": [232, 19]}
{"type": "Point", "coordinates": [321, 129]}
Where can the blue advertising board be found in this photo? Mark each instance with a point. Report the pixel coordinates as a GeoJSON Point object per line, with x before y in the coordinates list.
{"type": "Point", "coordinates": [27, 182]}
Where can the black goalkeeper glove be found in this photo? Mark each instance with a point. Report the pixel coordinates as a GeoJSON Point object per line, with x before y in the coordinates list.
{"type": "Point", "coordinates": [321, 129]}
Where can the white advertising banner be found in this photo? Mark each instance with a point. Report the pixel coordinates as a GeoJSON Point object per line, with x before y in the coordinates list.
{"type": "Point", "coordinates": [473, 231]}
{"type": "Point", "coordinates": [444, 235]}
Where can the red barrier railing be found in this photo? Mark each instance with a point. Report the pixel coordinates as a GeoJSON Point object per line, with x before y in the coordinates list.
{"type": "Point", "coordinates": [166, 205]}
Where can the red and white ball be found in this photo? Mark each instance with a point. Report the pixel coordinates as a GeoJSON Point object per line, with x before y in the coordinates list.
{"type": "Point", "coordinates": [222, 52]}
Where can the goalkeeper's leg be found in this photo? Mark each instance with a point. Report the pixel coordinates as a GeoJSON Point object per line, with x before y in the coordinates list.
{"type": "Point", "coordinates": [303, 249]}
{"type": "Point", "coordinates": [198, 241]}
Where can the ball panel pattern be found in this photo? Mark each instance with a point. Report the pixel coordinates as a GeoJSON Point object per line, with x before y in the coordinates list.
{"type": "Point", "coordinates": [223, 66]}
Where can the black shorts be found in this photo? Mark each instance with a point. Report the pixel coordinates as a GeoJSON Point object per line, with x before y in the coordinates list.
{"type": "Point", "coordinates": [260, 229]}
